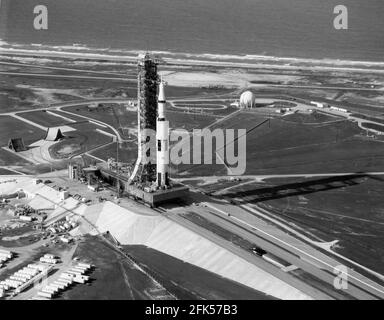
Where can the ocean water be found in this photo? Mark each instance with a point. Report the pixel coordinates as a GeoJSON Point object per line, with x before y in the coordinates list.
{"type": "Point", "coordinates": [285, 28]}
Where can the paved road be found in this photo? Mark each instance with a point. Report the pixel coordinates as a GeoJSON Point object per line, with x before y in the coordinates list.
{"type": "Point", "coordinates": [253, 237]}
{"type": "Point", "coordinates": [34, 124]}
{"type": "Point", "coordinates": [264, 214]}
{"type": "Point", "coordinates": [9, 168]}
{"type": "Point", "coordinates": [249, 257]}
{"type": "Point", "coordinates": [59, 106]}
{"type": "Point", "coordinates": [311, 260]}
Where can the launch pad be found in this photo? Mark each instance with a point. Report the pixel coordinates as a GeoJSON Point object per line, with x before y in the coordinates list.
{"type": "Point", "coordinates": [150, 196]}
{"type": "Point", "coordinates": [148, 180]}
{"type": "Point", "coordinates": [155, 198]}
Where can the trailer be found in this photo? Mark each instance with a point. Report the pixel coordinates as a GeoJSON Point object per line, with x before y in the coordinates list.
{"type": "Point", "coordinates": [81, 268]}
{"type": "Point", "coordinates": [50, 290]}
{"type": "Point", "coordinates": [7, 255]}
{"type": "Point", "coordinates": [4, 287]}
{"type": "Point", "coordinates": [79, 280]}
{"type": "Point", "coordinates": [64, 281]}
{"type": "Point", "coordinates": [30, 271]}
{"type": "Point", "coordinates": [45, 294]}
{"type": "Point", "coordinates": [39, 298]}
{"type": "Point", "coordinates": [59, 285]}
{"type": "Point", "coordinates": [76, 269]}
{"type": "Point", "coordinates": [50, 261]}
{"type": "Point", "coordinates": [38, 267]}
{"type": "Point", "coordinates": [75, 273]}
{"type": "Point", "coordinates": [13, 283]}
{"type": "Point", "coordinates": [17, 278]}
{"type": "Point", "coordinates": [67, 276]}
{"type": "Point", "coordinates": [56, 287]}
{"type": "Point", "coordinates": [84, 265]}
{"type": "Point", "coordinates": [23, 275]}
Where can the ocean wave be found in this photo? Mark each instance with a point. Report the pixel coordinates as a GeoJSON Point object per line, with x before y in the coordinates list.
{"type": "Point", "coordinates": [100, 53]}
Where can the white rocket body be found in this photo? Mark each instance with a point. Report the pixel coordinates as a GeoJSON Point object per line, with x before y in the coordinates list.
{"type": "Point", "coordinates": [162, 140]}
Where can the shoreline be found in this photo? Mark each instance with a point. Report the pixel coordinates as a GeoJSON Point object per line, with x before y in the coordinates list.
{"type": "Point", "coordinates": [190, 59]}
{"type": "Point", "coordinates": [299, 65]}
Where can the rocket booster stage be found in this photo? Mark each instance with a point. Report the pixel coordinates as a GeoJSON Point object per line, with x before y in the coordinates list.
{"type": "Point", "coordinates": [162, 138]}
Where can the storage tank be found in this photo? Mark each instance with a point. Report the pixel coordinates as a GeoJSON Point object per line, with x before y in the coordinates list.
{"type": "Point", "coordinates": [247, 100]}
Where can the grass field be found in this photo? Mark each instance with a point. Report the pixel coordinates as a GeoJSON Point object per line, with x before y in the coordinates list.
{"type": "Point", "coordinates": [313, 118]}
{"type": "Point", "coordinates": [85, 138]}
{"type": "Point", "coordinates": [13, 128]}
{"type": "Point", "coordinates": [128, 119]}
{"type": "Point", "coordinates": [362, 116]}
{"type": "Point", "coordinates": [127, 152]}
{"type": "Point", "coordinates": [20, 237]}
{"type": "Point", "coordinates": [34, 169]}
{"type": "Point", "coordinates": [120, 118]}
{"type": "Point", "coordinates": [9, 158]}
{"type": "Point", "coordinates": [4, 172]}
{"type": "Point", "coordinates": [346, 208]}
{"type": "Point", "coordinates": [283, 147]}
{"type": "Point", "coordinates": [173, 92]}
{"type": "Point", "coordinates": [114, 277]}
{"type": "Point", "coordinates": [69, 116]}
{"type": "Point", "coordinates": [373, 126]}
{"type": "Point", "coordinates": [45, 119]}
{"type": "Point", "coordinates": [208, 107]}
{"type": "Point", "coordinates": [352, 213]}
{"type": "Point", "coordinates": [192, 282]}
{"type": "Point", "coordinates": [13, 99]}
{"type": "Point", "coordinates": [188, 121]}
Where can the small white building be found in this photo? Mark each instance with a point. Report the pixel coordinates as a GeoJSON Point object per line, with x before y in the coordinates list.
{"type": "Point", "coordinates": [65, 239]}
{"type": "Point", "coordinates": [64, 195]}
{"type": "Point", "coordinates": [318, 104]}
{"type": "Point", "coordinates": [25, 218]}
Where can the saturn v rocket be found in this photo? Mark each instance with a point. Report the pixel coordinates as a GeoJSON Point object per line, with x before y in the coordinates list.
{"type": "Point", "coordinates": [151, 118]}
{"type": "Point", "coordinates": [162, 140]}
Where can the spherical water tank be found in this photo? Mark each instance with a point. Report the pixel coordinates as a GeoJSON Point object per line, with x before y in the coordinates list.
{"type": "Point", "coordinates": [247, 99]}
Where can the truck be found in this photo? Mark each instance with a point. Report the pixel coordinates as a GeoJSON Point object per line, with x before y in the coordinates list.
{"type": "Point", "coordinates": [258, 251]}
